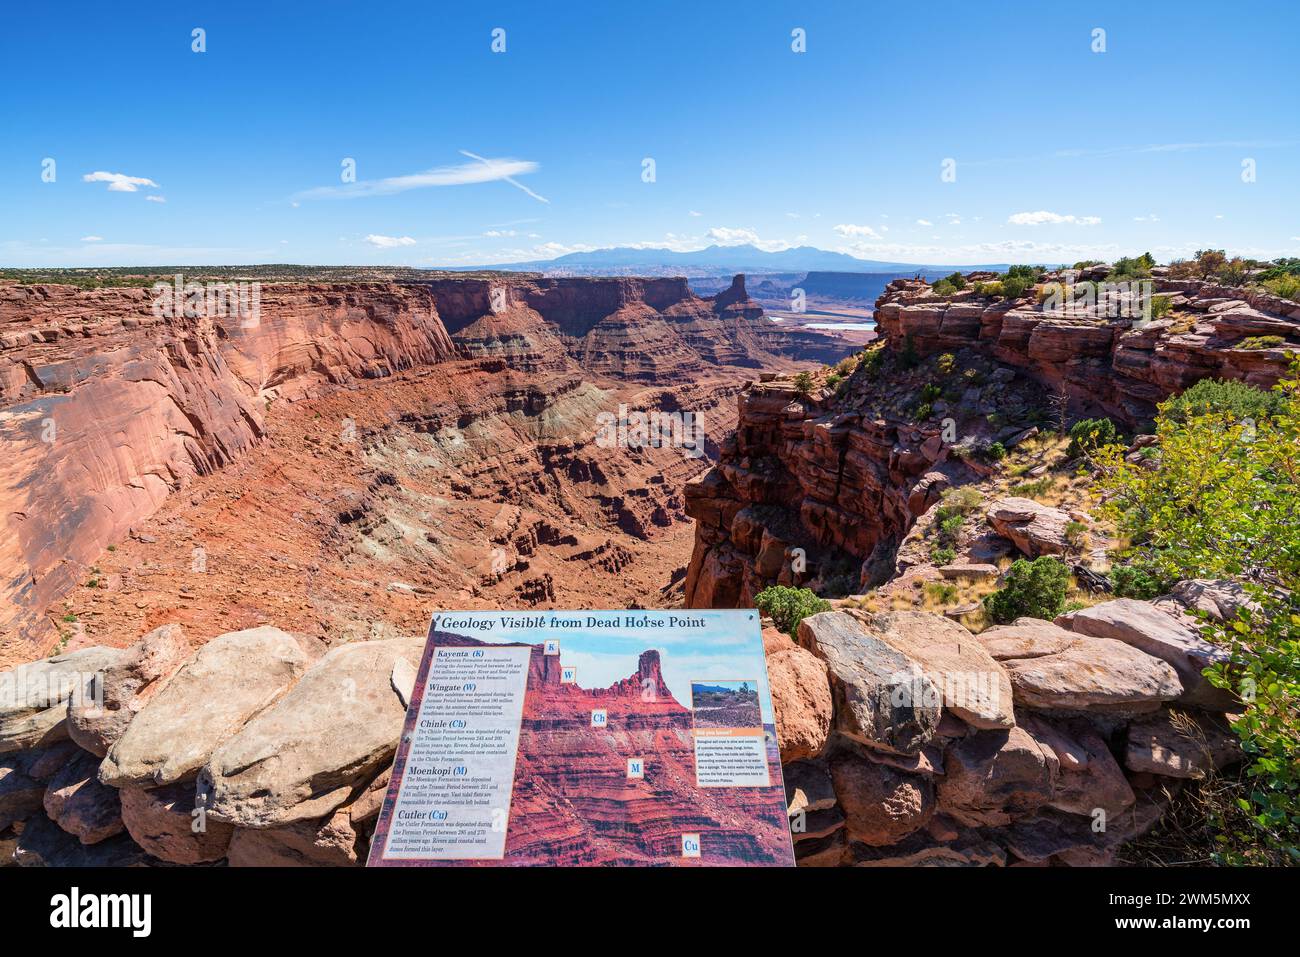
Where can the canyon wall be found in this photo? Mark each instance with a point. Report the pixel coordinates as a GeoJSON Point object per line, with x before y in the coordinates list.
{"type": "Point", "coordinates": [109, 404]}
{"type": "Point", "coordinates": [842, 475]}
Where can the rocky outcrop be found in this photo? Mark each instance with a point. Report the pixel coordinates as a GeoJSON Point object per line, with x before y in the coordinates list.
{"type": "Point", "coordinates": [305, 755]}
{"type": "Point", "coordinates": [1147, 628]}
{"type": "Point", "coordinates": [34, 697]}
{"type": "Point", "coordinates": [228, 681]}
{"type": "Point", "coordinates": [97, 719]}
{"type": "Point", "coordinates": [827, 484]}
{"type": "Point", "coordinates": [1027, 743]}
{"type": "Point", "coordinates": [1054, 670]}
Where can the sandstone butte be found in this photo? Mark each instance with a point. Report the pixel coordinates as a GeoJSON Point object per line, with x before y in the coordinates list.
{"type": "Point", "coordinates": [475, 426]}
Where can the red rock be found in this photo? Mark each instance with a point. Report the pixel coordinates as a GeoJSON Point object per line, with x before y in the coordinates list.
{"type": "Point", "coordinates": [881, 805]}
{"type": "Point", "coordinates": [801, 699]}
{"type": "Point", "coordinates": [161, 820]}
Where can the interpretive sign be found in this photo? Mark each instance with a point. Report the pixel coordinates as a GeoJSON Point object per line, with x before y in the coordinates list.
{"type": "Point", "coordinates": [588, 737]}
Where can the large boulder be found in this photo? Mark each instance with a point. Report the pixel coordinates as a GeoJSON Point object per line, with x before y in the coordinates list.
{"type": "Point", "coordinates": [332, 843]}
{"type": "Point", "coordinates": [214, 694]}
{"type": "Point", "coordinates": [20, 794]}
{"type": "Point", "coordinates": [1055, 670]}
{"type": "Point", "coordinates": [1219, 599]}
{"type": "Point", "coordinates": [801, 699]}
{"type": "Point", "coordinates": [1178, 744]}
{"type": "Point", "coordinates": [1089, 778]}
{"type": "Point", "coordinates": [1156, 633]}
{"type": "Point", "coordinates": [333, 731]}
{"type": "Point", "coordinates": [993, 776]}
{"type": "Point", "coordinates": [973, 685]}
{"type": "Point", "coordinates": [34, 696]}
{"type": "Point", "coordinates": [1036, 529]}
{"type": "Point", "coordinates": [880, 699]}
{"type": "Point", "coordinates": [79, 804]}
{"type": "Point", "coordinates": [96, 720]}
{"type": "Point", "coordinates": [163, 822]}
{"type": "Point", "coordinates": [881, 805]}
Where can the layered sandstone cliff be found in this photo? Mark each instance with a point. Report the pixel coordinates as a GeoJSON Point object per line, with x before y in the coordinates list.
{"type": "Point", "coordinates": [109, 404]}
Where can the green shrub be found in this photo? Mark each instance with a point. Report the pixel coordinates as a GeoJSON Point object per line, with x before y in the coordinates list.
{"type": "Point", "coordinates": [803, 384]}
{"type": "Point", "coordinates": [908, 357]}
{"type": "Point", "coordinates": [923, 411]}
{"type": "Point", "coordinates": [1013, 287]}
{"type": "Point", "coordinates": [1160, 306]}
{"type": "Point", "coordinates": [1132, 581]}
{"type": "Point", "coordinates": [957, 280]}
{"type": "Point", "coordinates": [1031, 273]}
{"type": "Point", "coordinates": [993, 452]}
{"type": "Point", "coordinates": [1031, 589]}
{"type": "Point", "coordinates": [946, 363]}
{"type": "Point", "coordinates": [992, 289]}
{"type": "Point", "coordinates": [943, 288]}
{"type": "Point", "coordinates": [943, 556]}
{"type": "Point", "coordinates": [1131, 267]}
{"type": "Point", "coordinates": [1286, 286]}
{"type": "Point", "coordinates": [1227, 397]}
{"type": "Point", "coordinates": [1260, 342]}
{"type": "Point", "coordinates": [941, 592]}
{"type": "Point", "coordinates": [788, 606]}
{"type": "Point", "coordinates": [1076, 534]}
{"type": "Point", "coordinates": [833, 380]}
{"type": "Point", "coordinates": [1088, 435]}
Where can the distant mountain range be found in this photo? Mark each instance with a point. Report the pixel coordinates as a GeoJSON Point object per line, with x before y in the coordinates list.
{"type": "Point", "coordinates": [716, 261]}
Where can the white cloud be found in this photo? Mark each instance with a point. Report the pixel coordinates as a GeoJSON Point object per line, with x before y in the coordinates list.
{"type": "Point", "coordinates": [924, 222]}
{"type": "Point", "coordinates": [498, 233]}
{"type": "Point", "coordinates": [1152, 218]}
{"type": "Point", "coordinates": [482, 170]}
{"type": "Point", "coordinates": [119, 182]}
{"type": "Point", "coordinates": [1042, 216]}
{"type": "Point", "coordinates": [389, 242]}
{"type": "Point", "coordinates": [163, 199]}
{"type": "Point", "coordinates": [695, 212]}
{"type": "Point", "coordinates": [848, 230]}
{"type": "Point", "coordinates": [953, 219]}
{"type": "Point", "coordinates": [728, 236]}
{"type": "Point", "coordinates": [92, 239]}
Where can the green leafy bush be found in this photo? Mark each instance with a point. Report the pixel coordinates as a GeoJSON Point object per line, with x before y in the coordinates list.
{"type": "Point", "coordinates": [788, 606]}
{"type": "Point", "coordinates": [1160, 306]}
{"type": "Point", "coordinates": [943, 556]}
{"type": "Point", "coordinates": [1224, 502]}
{"type": "Point", "coordinates": [946, 363]}
{"type": "Point", "coordinates": [1133, 581]}
{"type": "Point", "coordinates": [803, 384]}
{"type": "Point", "coordinates": [1088, 435]}
{"type": "Point", "coordinates": [943, 288]}
{"type": "Point", "coordinates": [1013, 287]}
{"type": "Point", "coordinates": [993, 289]}
{"type": "Point", "coordinates": [1227, 397]}
{"type": "Point", "coordinates": [1287, 286]}
{"type": "Point", "coordinates": [1031, 589]}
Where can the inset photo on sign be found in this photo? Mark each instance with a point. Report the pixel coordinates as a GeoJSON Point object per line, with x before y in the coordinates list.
{"type": "Point", "coordinates": [726, 704]}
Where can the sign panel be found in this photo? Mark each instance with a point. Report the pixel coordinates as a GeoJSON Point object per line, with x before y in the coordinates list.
{"type": "Point", "coordinates": [588, 737]}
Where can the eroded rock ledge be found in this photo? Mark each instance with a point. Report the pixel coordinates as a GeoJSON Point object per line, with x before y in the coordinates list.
{"type": "Point", "coordinates": [841, 476]}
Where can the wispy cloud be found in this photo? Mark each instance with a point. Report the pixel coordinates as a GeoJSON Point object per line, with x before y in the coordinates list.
{"type": "Point", "coordinates": [482, 170]}
{"type": "Point", "coordinates": [1042, 217]}
{"type": "Point", "coordinates": [389, 242]}
{"type": "Point", "coordinates": [156, 199]}
{"type": "Point", "coordinates": [119, 182]}
{"type": "Point", "coordinates": [92, 239]}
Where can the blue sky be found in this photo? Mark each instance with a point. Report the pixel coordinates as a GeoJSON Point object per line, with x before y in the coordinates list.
{"type": "Point", "coordinates": [1061, 153]}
